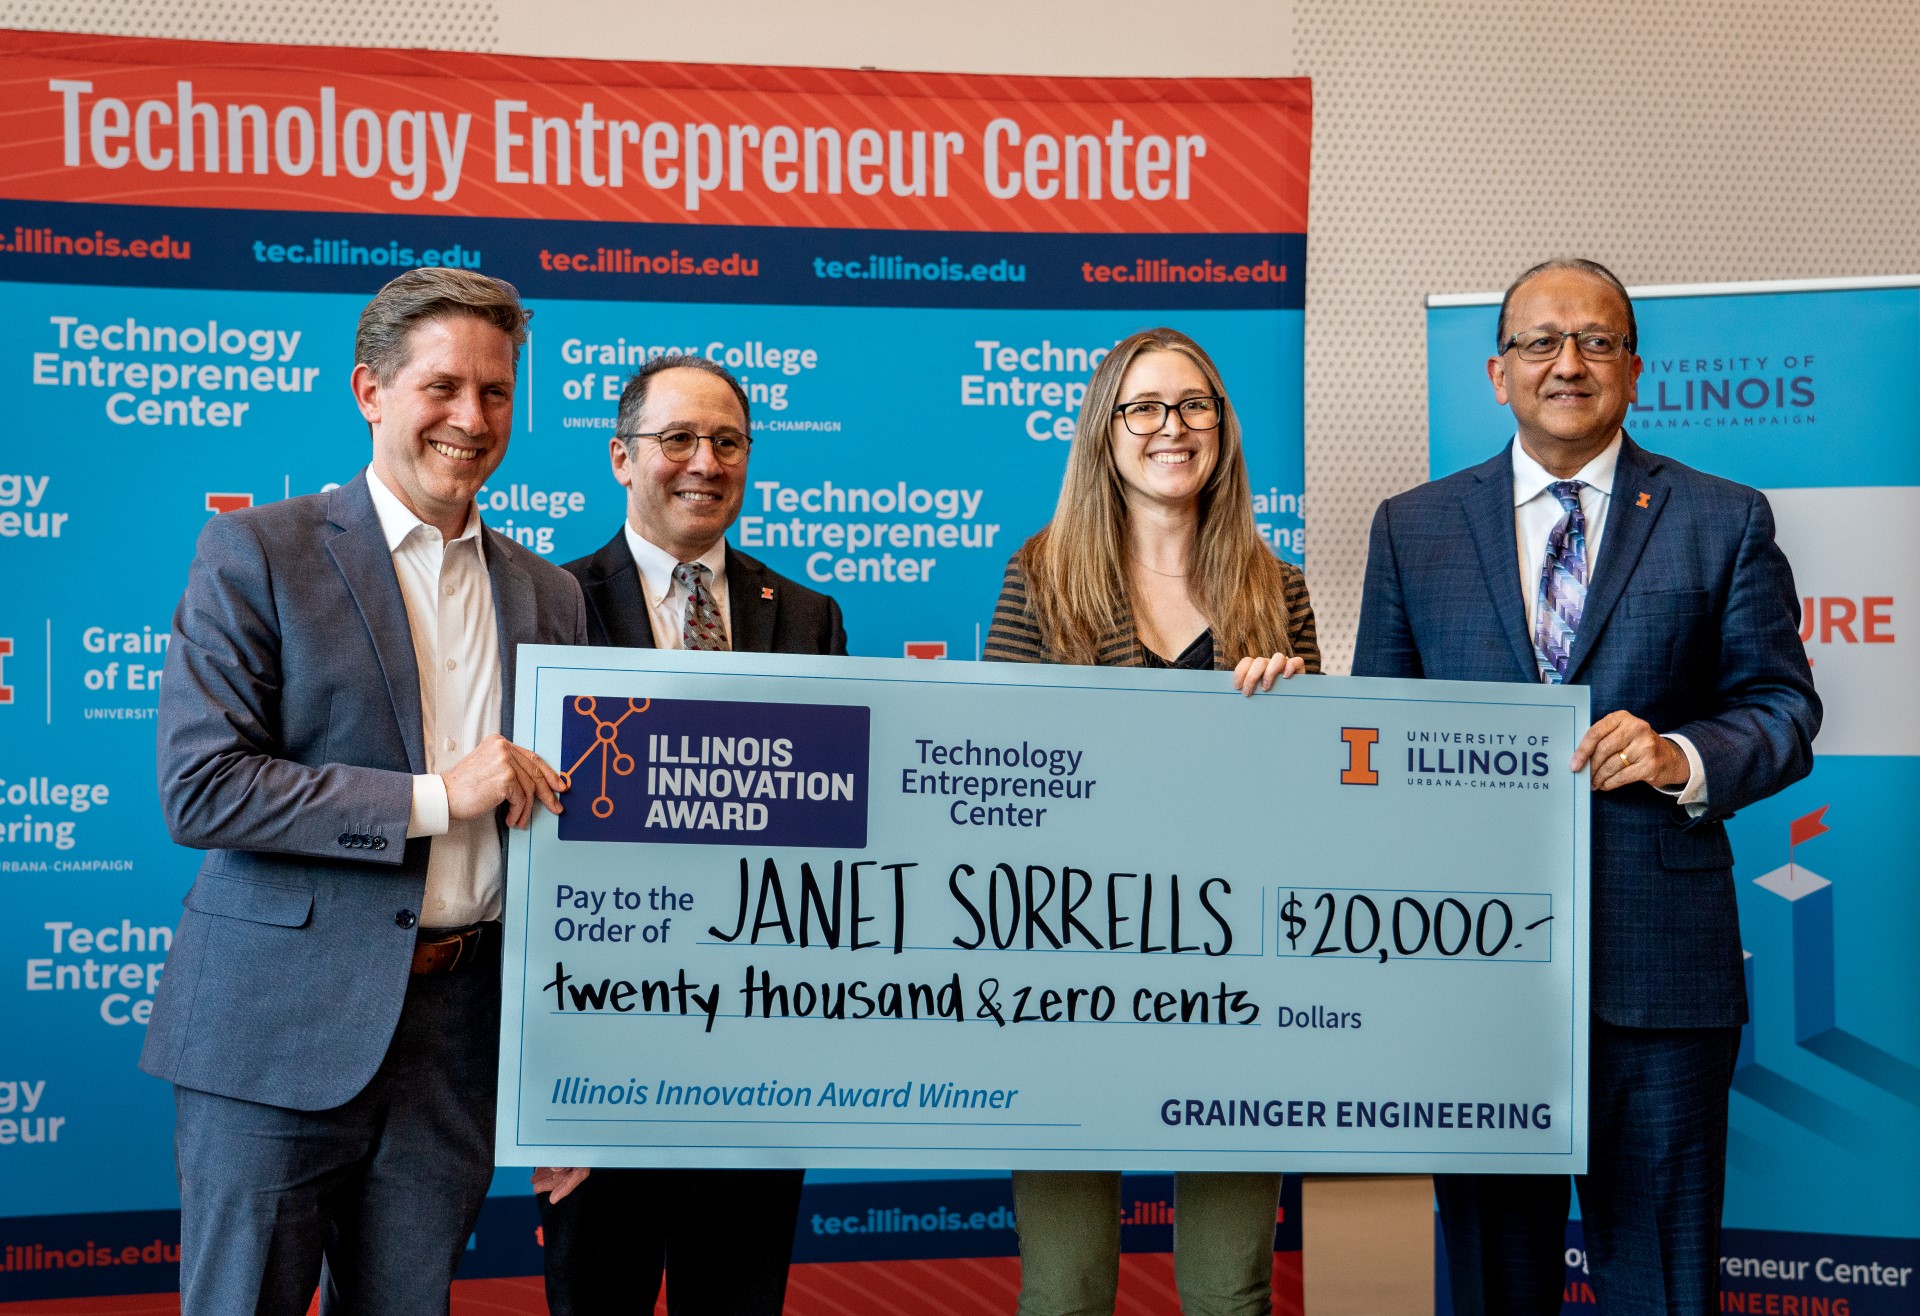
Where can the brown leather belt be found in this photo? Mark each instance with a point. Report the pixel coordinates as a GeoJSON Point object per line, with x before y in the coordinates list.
{"type": "Point", "coordinates": [457, 950]}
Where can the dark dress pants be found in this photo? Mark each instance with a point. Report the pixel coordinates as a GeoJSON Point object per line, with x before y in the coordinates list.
{"type": "Point", "coordinates": [1649, 1202]}
{"type": "Point", "coordinates": [373, 1200]}
{"type": "Point", "coordinates": [723, 1237]}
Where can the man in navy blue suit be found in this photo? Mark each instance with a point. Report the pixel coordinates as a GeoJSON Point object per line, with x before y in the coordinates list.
{"type": "Point", "coordinates": [1577, 556]}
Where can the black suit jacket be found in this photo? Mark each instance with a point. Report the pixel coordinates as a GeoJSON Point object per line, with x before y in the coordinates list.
{"type": "Point", "coordinates": [726, 1237]}
{"type": "Point", "coordinates": [766, 612]}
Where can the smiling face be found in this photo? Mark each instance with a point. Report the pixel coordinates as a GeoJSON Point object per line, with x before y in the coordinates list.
{"type": "Point", "coordinates": [682, 507]}
{"type": "Point", "coordinates": [1170, 467]}
{"type": "Point", "coordinates": [1569, 408]}
{"type": "Point", "coordinates": [441, 424]}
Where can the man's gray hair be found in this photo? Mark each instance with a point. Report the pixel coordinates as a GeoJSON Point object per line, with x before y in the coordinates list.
{"type": "Point", "coordinates": [384, 341]}
{"type": "Point", "coordinates": [1592, 267]}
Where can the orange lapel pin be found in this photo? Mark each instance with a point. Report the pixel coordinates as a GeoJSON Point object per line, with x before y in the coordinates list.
{"type": "Point", "coordinates": [1642, 502]}
{"type": "Point", "coordinates": [766, 591]}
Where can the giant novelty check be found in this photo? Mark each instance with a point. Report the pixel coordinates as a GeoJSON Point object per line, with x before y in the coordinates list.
{"type": "Point", "coordinates": [869, 912]}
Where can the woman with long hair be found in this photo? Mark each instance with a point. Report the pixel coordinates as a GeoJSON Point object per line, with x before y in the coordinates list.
{"type": "Point", "coordinates": [1152, 560]}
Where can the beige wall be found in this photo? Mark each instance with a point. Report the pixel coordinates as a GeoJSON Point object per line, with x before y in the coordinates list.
{"type": "Point", "coordinates": [1094, 38]}
{"type": "Point", "coordinates": [1454, 144]}
{"type": "Point", "coordinates": [1130, 38]}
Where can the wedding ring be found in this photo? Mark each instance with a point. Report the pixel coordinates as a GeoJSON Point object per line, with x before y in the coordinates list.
{"type": "Point", "coordinates": [1625, 762]}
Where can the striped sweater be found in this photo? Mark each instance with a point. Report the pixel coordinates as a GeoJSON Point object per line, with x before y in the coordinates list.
{"type": "Point", "coordinates": [1015, 634]}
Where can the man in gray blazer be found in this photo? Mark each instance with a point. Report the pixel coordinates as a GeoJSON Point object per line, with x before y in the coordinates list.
{"type": "Point", "coordinates": [669, 579]}
{"type": "Point", "coordinates": [340, 673]}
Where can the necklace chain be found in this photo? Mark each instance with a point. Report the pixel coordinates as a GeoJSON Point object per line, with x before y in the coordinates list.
{"type": "Point", "coordinates": [1170, 575]}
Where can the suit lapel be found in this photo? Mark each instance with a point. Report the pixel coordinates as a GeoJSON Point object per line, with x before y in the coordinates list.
{"type": "Point", "coordinates": [1629, 524]}
{"type": "Point", "coordinates": [513, 616]}
{"type": "Point", "coordinates": [753, 604]}
{"type": "Point", "coordinates": [613, 592]}
{"type": "Point", "coordinates": [360, 553]}
{"type": "Point", "coordinates": [1489, 511]}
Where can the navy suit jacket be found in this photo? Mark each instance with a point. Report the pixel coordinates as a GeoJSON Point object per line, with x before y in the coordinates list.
{"type": "Point", "coordinates": [289, 736]}
{"type": "Point", "coordinates": [1693, 624]}
{"type": "Point", "coordinates": [766, 612]}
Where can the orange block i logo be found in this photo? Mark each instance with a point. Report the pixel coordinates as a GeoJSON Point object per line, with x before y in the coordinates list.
{"type": "Point", "coordinates": [1359, 770]}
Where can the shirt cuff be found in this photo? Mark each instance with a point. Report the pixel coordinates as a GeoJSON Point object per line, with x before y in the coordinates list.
{"type": "Point", "coordinates": [1693, 795]}
{"type": "Point", "coordinates": [429, 814]}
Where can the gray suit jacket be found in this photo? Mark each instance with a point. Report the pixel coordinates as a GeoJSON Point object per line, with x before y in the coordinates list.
{"type": "Point", "coordinates": [289, 734]}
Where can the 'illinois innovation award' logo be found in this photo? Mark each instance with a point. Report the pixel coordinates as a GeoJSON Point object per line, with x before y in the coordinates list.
{"type": "Point", "coordinates": [714, 772]}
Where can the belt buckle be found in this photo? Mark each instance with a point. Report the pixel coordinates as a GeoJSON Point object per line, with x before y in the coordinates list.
{"type": "Point", "coordinates": [460, 942]}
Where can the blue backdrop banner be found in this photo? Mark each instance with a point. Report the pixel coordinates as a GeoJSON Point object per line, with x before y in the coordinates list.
{"type": "Point", "coordinates": [913, 276]}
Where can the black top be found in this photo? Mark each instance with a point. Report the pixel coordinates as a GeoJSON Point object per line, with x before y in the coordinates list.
{"type": "Point", "coordinates": [1197, 656]}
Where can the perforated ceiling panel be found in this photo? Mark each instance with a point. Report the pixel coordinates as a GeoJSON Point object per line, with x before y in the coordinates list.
{"type": "Point", "coordinates": [1455, 143]}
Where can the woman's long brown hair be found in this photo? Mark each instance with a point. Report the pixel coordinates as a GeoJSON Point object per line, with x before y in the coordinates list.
{"type": "Point", "coordinates": [1076, 566]}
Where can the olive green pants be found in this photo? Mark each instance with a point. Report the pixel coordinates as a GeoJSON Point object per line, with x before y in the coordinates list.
{"type": "Point", "coordinates": [1069, 1226]}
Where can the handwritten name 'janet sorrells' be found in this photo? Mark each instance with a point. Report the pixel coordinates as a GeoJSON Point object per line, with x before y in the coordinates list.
{"type": "Point", "coordinates": [863, 905]}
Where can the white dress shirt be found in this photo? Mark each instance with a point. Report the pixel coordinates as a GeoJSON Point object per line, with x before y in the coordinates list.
{"type": "Point", "coordinates": [1535, 513]}
{"type": "Point", "coordinates": [456, 647]}
{"type": "Point", "coordinates": [666, 600]}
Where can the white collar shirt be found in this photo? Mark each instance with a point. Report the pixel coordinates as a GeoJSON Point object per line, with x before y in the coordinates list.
{"type": "Point", "coordinates": [456, 649]}
{"type": "Point", "coordinates": [666, 598]}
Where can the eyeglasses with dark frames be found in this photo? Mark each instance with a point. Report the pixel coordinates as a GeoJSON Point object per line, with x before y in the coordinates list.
{"type": "Point", "coordinates": [729, 449]}
{"type": "Point", "coordinates": [1198, 413]}
{"type": "Point", "coordinates": [1547, 344]}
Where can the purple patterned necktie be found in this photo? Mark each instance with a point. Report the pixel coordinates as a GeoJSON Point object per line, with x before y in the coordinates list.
{"type": "Point", "coordinates": [1563, 585]}
{"type": "Point", "coordinates": [702, 629]}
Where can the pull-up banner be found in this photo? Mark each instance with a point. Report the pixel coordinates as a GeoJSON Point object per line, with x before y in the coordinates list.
{"type": "Point", "coordinates": [1767, 384]}
{"type": "Point", "coordinates": [912, 275]}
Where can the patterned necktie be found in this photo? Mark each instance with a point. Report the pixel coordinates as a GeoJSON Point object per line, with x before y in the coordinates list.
{"type": "Point", "coordinates": [1563, 585]}
{"type": "Point", "coordinates": [702, 629]}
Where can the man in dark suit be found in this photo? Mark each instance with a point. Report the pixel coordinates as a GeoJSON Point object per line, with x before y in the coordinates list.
{"type": "Point", "coordinates": [340, 671]}
{"type": "Point", "coordinates": [668, 579]}
{"type": "Point", "coordinates": [1577, 556]}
